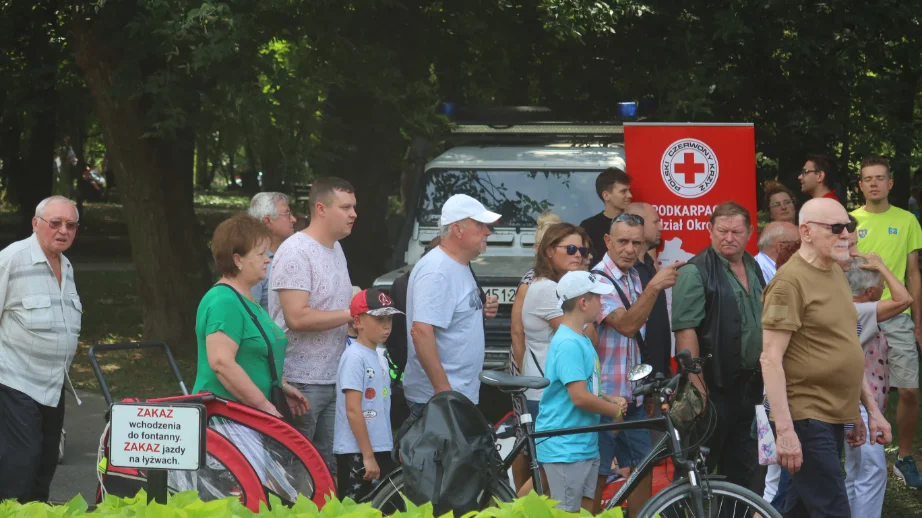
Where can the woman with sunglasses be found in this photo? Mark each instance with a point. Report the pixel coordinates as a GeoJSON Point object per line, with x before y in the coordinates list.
{"type": "Point", "coordinates": [780, 202]}
{"type": "Point", "coordinates": [563, 249]}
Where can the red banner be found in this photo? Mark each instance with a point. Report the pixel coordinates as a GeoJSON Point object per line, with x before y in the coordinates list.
{"type": "Point", "coordinates": [684, 170]}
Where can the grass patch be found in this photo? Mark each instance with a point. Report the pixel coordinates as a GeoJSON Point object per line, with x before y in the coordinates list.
{"type": "Point", "coordinates": [112, 314]}
{"type": "Point", "coordinates": [899, 500]}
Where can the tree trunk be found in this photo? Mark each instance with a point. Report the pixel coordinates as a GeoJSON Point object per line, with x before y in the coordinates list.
{"type": "Point", "coordinates": [903, 136]}
{"type": "Point", "coordinates": [202, 176]}
{"type": "Point", "coordinates": [155, 180]}
{"type": "Point", "coordinates": [33, 180]}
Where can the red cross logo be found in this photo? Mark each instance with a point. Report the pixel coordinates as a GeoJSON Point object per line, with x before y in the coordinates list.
{"type": "Point", "coordinates": [689, 168]}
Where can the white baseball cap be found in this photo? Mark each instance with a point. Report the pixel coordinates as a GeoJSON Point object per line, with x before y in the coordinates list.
{"type": "Point", "coordinates": [578, 283]}
{"type": "Point", "coordinates": [462, 206]}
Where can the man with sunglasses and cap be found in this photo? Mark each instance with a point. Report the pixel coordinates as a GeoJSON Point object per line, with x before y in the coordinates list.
{"type": "Point", "coordinates": [717, 311]}
{"type": "Point", "coordinates": [622, 327]}
{"type": "Point", "coordinates": [895, 235]}
{"type": "Point", "coordinates": [813, 365]}
{"type": "Point", "coordinates": [444, 308]}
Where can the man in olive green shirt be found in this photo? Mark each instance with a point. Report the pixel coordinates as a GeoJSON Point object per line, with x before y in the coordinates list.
{"type": "Point", "coordinates": [717, 311]}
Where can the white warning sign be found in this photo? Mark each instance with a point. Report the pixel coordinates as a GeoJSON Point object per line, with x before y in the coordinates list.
{"type": "Point", "coordinates": [157, 436]}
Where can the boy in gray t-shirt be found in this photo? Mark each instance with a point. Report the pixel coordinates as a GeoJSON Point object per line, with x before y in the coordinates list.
{"type": "Point", "coordinates": [362, 438]}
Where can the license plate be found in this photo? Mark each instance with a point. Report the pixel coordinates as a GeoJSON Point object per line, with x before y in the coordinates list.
{"type": "Point", "coordinates": [505, 295]}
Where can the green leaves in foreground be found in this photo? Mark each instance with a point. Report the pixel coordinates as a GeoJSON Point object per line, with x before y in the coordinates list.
{"type": "Point", "coordinates": [187, 505]}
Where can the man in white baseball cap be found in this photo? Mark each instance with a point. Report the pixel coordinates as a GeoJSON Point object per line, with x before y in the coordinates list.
{"type": "Point", "coordinates": [445, 309]}
{"type": "Point", "coordinates": [461, 206]}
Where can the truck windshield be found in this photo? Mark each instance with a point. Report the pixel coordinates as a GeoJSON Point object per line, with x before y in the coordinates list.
{"type": "Point", "coordinates": [519, 195]}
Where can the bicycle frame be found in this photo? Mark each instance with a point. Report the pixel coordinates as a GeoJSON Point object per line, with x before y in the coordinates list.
{"type": "Point", "coordinates": [671, 443]}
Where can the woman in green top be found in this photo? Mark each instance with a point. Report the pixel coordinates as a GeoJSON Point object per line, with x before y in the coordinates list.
{"type": "Point", "coordinates": [233, 355]}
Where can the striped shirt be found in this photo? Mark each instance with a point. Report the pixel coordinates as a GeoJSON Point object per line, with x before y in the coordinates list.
{"type": "Point", "coordinates": [39, 322]}
{"type": "Point", "coordinates": [618, 353]}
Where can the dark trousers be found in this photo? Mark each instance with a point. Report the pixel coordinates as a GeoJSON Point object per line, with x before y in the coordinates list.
{"type": "Point", "coordinates": [30, 435]}
{"type": "Point", "coordinates": [734, 451]}
{"type": "Point", "coordinates": [818, 489]}
{"type": "Point", "coordinates": [350, 468]}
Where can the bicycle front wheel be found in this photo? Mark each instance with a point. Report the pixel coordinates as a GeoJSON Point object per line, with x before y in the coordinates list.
{"type": "Point", "coordinates": [726, 500]}
{"type": "Point", "coordinates": [388, 499]}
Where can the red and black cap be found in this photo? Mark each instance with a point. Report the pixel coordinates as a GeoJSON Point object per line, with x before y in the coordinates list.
{"type": "Point", "coordinates": [374, 303]}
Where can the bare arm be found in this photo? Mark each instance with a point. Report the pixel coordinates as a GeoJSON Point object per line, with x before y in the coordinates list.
{"type": "Point", "coordinates": [900, 297]}
{"type": "Point", "coordinates": [427, 352]}
{"type": "Point", "coordinates": [688, 339]}
{"type": "Point", "coordinates": [592, 403]}
{"type": "Point", "coordinates": [914, 283]}
{"type": "Point", "coordinates": [774, 345]}
{"type": "Point", "coordinates": [518, 327]}
{"type": "Point", "coordinates": [222, 351]}
{"type": "Point", "coordinates": [300, 316]}
{"type": "Point", "coordinates": [357, 422]}
{"type": "Point", "coordinates": [628, 322]}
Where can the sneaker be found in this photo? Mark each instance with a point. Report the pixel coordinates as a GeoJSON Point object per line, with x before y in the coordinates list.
{"type": "Point", "coordinates": [905, 468]}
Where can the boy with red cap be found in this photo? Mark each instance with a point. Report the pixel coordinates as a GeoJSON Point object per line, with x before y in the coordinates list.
{"type": "Point", "coordinates": [362, 438]}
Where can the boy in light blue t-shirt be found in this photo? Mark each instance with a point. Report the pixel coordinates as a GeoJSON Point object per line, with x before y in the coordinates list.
{"type": "Point", "coordinates": [573, 399]}
{"type": "Point", "coordinates": [362, 438]}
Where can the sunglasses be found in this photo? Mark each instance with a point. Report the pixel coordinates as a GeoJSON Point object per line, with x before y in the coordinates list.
{"type": "Point", "coordinates": [56, 224]}
{"type": "Point", "coordinates": [572, 249]}
{"type": "Point", "coordinates": [837, 228]}
{"type": "Point", "coordinates": [780, 203]}
{"type": "Point", "coordinates": [630, 218]}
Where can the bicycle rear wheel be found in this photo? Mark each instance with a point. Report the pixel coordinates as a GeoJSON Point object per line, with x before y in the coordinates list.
{"type": "Point", "coordinates": [387, 497]}
{"type": "Point", "coordinates": [726, 500]}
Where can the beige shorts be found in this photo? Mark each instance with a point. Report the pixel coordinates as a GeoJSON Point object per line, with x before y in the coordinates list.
{"type": "Point", "coordinates": [903, 355]}
{"type": "Point", "coordinates": [569, 482]}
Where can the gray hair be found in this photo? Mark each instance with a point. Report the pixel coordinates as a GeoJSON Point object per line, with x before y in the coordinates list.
{"type": "Point", "coordinates": [627, 221]}
{"type": "Point", "coordinates": [860, 279]}
{"type": "Point", "coordinates": [263, 204]}
{"type": "Point", "coordinates": [445, 231]}
{"type": "Point", "coordinates": [771, 234]}
{"type": "Point", "coordinates": [51, 200]}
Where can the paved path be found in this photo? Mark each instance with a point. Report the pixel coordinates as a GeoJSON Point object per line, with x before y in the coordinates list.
{"type": "Point", "coordinates": [84, 424]}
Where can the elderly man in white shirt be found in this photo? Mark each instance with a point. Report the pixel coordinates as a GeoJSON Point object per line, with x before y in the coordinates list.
{"type": "Point", "coordinates": [774, 237]}
{"type": "Point", "coordinates": [40, 315]}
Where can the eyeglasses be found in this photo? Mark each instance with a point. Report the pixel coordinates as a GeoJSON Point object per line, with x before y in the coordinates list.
{"type": "Point", "coordinates": [805, 171]}
{"type": "Point", "coordinates": [777, 204]}
{"type": "Point", "coordinates": [286, 214]}
{"type": "Point", "coordinates": [572, 249]}
{"type": "Point", "coordinates": [56, 224]}
{"type": "Point", "coordinates": [630, 218]}
{"type": "Point", "coordinates": [837, 228]}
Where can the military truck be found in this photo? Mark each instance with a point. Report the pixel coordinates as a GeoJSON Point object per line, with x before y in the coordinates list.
{"type": "Point", "coordinates": [519, 171]}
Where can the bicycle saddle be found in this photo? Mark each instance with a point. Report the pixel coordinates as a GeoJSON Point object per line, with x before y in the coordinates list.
{"type": "Point", "coordinates": [503, 380]}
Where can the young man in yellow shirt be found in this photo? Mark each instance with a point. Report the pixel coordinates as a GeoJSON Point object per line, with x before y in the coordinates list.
{"type": "Point", "coordinates": [895, 235]}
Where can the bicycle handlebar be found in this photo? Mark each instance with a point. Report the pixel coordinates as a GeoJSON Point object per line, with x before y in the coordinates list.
{"type": "Point", "coordinates": [687, 365]}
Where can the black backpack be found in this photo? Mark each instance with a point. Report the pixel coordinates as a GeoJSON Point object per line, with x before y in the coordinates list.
{"type": "Point", "coordinates": [449, 456]}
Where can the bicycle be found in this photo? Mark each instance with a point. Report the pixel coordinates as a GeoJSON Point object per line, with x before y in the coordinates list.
{"type": "Point", "coordinates": [693, 494]}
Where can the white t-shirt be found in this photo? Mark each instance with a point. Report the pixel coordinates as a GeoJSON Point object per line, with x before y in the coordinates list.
{"type": "Point", "coordinates": [443, 293]}
{"type": "Point", "coordinates": [301, 263]}
{"type": "Point", "coordinates": [539, 308]}
{"type": "Point", "coordinates": [867, 322]}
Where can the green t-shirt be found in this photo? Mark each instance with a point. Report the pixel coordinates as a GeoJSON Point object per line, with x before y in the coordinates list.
{"type": "Point", "coordinates": [221, 310]}
{"type": "Point", "coordinates": [688, 307]}
{"type": "Point", "coordinates": [893, 235]}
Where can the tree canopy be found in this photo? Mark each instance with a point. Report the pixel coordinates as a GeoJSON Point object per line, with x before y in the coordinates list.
{"type": "Point", "coordinates": [182, 92]}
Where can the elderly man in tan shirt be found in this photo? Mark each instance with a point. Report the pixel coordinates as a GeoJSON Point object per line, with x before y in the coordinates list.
{"type": "Point", "coordinates": [40, 314]}
{"type": "Point", "coordinates": [813, 364]}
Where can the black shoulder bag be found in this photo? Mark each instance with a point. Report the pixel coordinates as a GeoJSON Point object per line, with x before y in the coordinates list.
{"type": "Point", "coordinates": [276, 395]}
{"type": "Point", "coordinates": [627, 305]}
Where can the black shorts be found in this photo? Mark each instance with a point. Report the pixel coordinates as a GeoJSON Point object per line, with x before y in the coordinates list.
{"type": "Point", "coordinates": [350, 468]}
